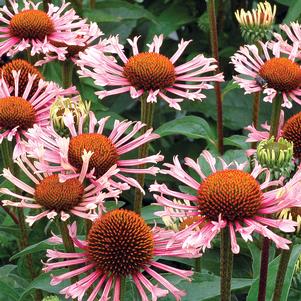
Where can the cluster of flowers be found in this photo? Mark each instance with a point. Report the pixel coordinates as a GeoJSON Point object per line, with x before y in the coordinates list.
{"type": "Point", "coordinates": [75, 174]}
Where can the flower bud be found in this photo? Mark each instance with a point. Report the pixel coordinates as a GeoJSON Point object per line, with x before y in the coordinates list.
{"type": "Point", "coordinates": [276, 155]}
{"type": "Point", "coordinates": [257, 24]}
{"type": "Point", "coordinates": [63, 107]}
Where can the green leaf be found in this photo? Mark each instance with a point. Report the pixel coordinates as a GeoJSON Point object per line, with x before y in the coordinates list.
{"type": "Point", "coordinates": [42, 282]}
{"type": "Point", "coordinates": [7, 292]}
{"type": "Point", "coordinates": [293, 12]}
{"type": "Point", "coordinates": [190, 126]}
{"type": "Point", "coordinates": [237, 141]}
{"type": "Point", "coordinates": [40, 246]}
{"type": "Point", "coordinates": [147, 213]}
{"type": "Point", "coordinates": [204, 286]}
{"type": "Point", "coordinates": [117, 11]}
{"type": "Point", "coordinates": [273, 268]}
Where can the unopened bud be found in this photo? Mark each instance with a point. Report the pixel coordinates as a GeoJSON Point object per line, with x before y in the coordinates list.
{"type": "Point", "coordinates": [257, 24]}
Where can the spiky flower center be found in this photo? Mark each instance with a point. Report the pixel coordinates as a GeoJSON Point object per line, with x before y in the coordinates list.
{"type": "Point", "coordinates": [281, 74]}
{"type": "Point", "coordinates": [104, 152]}
{"type": "Point", "coordinates": [31, 24]}
{"type": "Point", "coordinates": [72, 50]}
{"type": "Point", "coordinates": [55, 195]}
{"type": "Point", "coordinates": [25, 69]}
{"type": "Point", "coordinates": [295, 211]}
{"type": "Point", "coordinates": [188, 222]}
{"type": "Point", "coordinates": [150, 71]}
{"type": "Point", "coordinates": [292, 133]}
{"type": "Point", "coordinates": [234, 194]}
{"type": "Point", "coordinates": [16, 112]}
{"type": "Point", "coordinates": [120, 243]}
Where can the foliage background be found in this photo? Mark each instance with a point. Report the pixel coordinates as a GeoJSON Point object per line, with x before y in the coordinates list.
{"type": "Point", "coordinates": [185, 132]}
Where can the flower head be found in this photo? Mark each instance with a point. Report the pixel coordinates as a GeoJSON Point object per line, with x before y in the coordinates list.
{"type": "Point", "coordinates": [272, 74]}
{"type": "Point", "coordinates": [292, 132]}
{"type": "Point", "coordinates": [25, 69]}
{"type": "Point", "coordinates": [256, 24]}
{"type": "Point", "coordinates": [120, 244]}
{"type": "Point", "coordinates": [226, 198]}
{"type": "Point", "coordinates": [59, 193]}
{"type": "Point", "coordinates": [149, 72]}
{"type": "Point", "coordinates": [27, 27]}
{"type": "Point", "coordinates": [107, 150]}
{"type": "Point", "coordinates": [24, 104]}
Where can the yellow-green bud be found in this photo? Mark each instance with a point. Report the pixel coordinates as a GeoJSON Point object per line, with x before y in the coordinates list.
{"type": "Point", "coordinates": [257, 24]}
{"type": "Point", "coordinates": [276, 155]}
{"type": "Point", "coordinates": [63, 106]}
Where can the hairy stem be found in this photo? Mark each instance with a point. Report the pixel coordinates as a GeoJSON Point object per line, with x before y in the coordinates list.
{"type": "Point", "coordinates": [68, 243]}
{"type": "Point", "coordinates": [275, 117]}
{"type": "Point", "coordinates": [226, 265]}
{"type": "Point", "coordinates": [147, 115]}
{"type": "Point", "coordinates": [284, 260]}
{"type": "Point", "coordinates": [67, 72]}
{"type": "Point", "coordinates": [217, 85]}
{"type": "Point", "coordinates": [92, 4]}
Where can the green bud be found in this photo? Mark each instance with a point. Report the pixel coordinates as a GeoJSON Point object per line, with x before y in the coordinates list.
{"type": "Point", "coordinates": [276, 156]}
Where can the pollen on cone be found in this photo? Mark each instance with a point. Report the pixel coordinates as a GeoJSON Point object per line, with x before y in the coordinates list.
{"type": "Point", "coordinates": [25, 69]}
{"type": "Point", "coordinates": [16, 112]}
{"type": "Point", "coordinates": [55, 195]}
{"type": "Point", "coordinates": [150, 71]}
{"type": "Point", "coordinates": [234, 194]}
{"type": "Point", "coordinates": [292, 133]}
{"type": "Point", "coordinates": [281, 74]}
{"type": "Point", "coordinates": [120, 242]}
{"type": "Point", "coordinates": [31, 24]}
{"type": "Point", "coordinates": [104, 152]}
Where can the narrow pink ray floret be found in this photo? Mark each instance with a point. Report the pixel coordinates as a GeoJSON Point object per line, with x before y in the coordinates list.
{"type": "Point", "coordinates": [229, 198]}
{"type": "Point", "coordinates": [149, 72]}
{"type": "Point", "coordinates": [59, 194]}
{"type": "Point", "coordinates": [273, 73]}
{"type": "Point", "coordinates": [107, 150]}
{"type": "Point", "coordinates": [87, 35]}
{"type": "Point", "coordinates": [21, 110]}
{"type": "Point", "coordinates": [25, 26]}
{"type": "Point", "coordinates": [119, 245]}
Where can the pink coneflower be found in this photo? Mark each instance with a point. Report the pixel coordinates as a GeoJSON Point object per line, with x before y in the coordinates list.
{"type": "Point", "coordinates": [86, 35]}
{"type": "Point", "coordinates": [29, 27]}
{"type": "Point", "coordinates": [24, 104]}
{"type": "Point", "coordinates": [271, 73]}
{"type": "Point", "coordinates": [226, 198]}
{"type": "Point", "coordinates": [59, 193]}
{"type": "Point", "coordinates": [149, 72]}
{"type": "Point", "coordinates": [119, 245]}
{"type": "Point", "coordinates": [107, 149]}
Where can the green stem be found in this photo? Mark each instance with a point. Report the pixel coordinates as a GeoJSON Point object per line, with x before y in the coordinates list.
{"type": "Point", "coordinates": [92, 4]}
{"type": "Point", "coordinates": [7, 154]}
{"type": "Point", "coordinates": [275, 117]}
{"type": "Point", "coordinates": [68, 243]}
{"type": "Point", "coordinates": [276, 110]}
{"type": "Point", "coordinates": [45, 5]}
{"type": "Point", "coordinates": [122, 289]}
{"type": "Point", "coordinates": [284, 260]}
{"type": "Point", "coordinates": [217, 85]}
{"type": "Point", "coordinates": [197, 264]}
{"type": "Point", "coordinates": [147, 115]}
{"type": "Point", "coordinates": [67, 72]}
{"type": "Point", "coordinates": [226, 265]}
